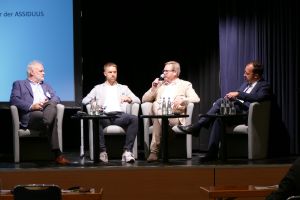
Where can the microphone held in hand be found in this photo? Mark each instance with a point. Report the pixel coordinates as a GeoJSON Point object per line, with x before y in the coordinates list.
{"type": "Point", "coordinates": [157, 80]}
{"type": "Point", "coordinates": [161, 77]}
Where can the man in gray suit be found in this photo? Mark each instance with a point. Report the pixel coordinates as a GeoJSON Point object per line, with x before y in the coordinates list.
{"type": "Point", "coordinates": [113, 97]}
{"type": "Point", "coordinates": [36, 102]}
{"type": "Point", "coordinates": [180, 93]}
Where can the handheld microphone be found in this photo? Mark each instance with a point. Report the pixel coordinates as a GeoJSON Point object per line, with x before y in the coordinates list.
{"type": "Point", "coordinates": [161, 77]}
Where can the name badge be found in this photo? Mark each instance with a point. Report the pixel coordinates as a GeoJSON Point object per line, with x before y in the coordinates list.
{"type": "Point", "coordinates": [48, 95]}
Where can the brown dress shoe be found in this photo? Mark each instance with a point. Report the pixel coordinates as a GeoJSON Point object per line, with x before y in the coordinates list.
{"type": "Point", "coordinates": [62, 160]}
{"type": "Point", "coordinates": [152, 157]}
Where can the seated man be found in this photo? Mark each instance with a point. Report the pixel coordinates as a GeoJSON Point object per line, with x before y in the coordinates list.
{"type": "Point", "coordinates": [289, 185]}
{"type": "Point", "coordinates": [180, 93]}
{"type": "Point", "coordinates": [113, 97]}
{"type": "Point", "coordinates": [36, 102]}
{"type": "Point", "coordinates": [255, 89]}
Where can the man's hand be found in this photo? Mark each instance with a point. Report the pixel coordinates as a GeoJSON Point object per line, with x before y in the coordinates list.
{"type": "Point", "coordinates": [231, 95]}
{"type": "Point", "coordinates": [125, 99]}
{"type": "Point", "coordinates": [39, 105]}
{"type": "Point", "coordinates": [155, 83]}
{"type": "Point", "coordinates": [178, 102]}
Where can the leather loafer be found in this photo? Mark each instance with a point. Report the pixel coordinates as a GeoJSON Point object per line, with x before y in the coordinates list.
{"type": "Point", "coordinates": [189, 129]}
{"type": "Point", "coordinates": [152, 157]}
{"type": "Point", "coordinates": [62, 160]}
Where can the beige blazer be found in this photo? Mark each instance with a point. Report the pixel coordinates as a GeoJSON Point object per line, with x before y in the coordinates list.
{"type": "Point", "coordinates": [184, 90]}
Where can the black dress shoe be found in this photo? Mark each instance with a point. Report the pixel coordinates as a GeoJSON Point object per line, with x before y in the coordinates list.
{"type": "Point", "coordinates": [189, 129]}
{"type": "Point", "coordinates": [207, 159]}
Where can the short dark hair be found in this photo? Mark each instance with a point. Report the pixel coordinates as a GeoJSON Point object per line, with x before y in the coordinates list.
{"type": "Point", "coordinates": [257, 67]}
{"type": "Point", "coordinates": [110, 64]}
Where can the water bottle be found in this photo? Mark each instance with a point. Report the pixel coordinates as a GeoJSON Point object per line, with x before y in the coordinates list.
{"type": "Point", "coordinates": [169, 107]}
{"type": "Point", "coordinates": [227, 107]}
{"type": "Point", "coordinates": [97, 109]}
{"type": "Point", "coordinates": [93, 106]}
{"type": "Point", "coordinates": [232, 109]}
{"type": "Point", "coordinates": [222, 107]}
{"type": "Point", "coordinates": [164, 107]}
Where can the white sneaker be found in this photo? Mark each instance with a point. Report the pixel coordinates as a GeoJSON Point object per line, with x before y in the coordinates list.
{"type": "Point", "coordinates": [128, 157]}
{"type": "Point", "coordinates": [103, 157]}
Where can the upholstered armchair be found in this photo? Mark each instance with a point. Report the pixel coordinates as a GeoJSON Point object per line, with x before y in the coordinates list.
{"type": "Point", "coordinates": [257, 129]}
{"type": "Point", "coordinates": [113, 130]}
{"type": "Point", "coordinates": [28, 133]}
{"type": "Point", "coordinates": [146, 110]}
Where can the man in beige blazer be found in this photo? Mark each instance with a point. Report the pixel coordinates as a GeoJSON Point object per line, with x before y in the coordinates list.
{"type": "Point", "coordinates": [180, 92]}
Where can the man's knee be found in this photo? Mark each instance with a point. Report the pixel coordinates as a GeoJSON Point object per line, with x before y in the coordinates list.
{"type": "Point", "coordinates": [51, 104]}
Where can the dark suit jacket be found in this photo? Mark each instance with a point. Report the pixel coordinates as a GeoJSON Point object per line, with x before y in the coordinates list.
{"type": "Point", "coordinates": [261, 92]}
{"type": "Point", "coordinates": [289, 185]}
{"type": "Point", "coordinates": [22, 97]}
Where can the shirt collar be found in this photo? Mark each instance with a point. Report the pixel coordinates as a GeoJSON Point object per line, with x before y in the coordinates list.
{"type": "Point", "coordinates": [174, 82]}
{"type": "Point", "coordinates": [252, 84]}
{"type": "Point", "coordinates": [107, 83]}
{"type": "Point", "coordinates": [34, 83]}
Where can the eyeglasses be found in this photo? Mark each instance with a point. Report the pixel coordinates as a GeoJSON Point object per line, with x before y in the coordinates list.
{"type": "Point", "coordinates": [166, 71]}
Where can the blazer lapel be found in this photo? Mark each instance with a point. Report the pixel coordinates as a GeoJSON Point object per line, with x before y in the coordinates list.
{"type": "Point", "coordinates": [28, 86]}
{"type": "Point", "coordinates": [258, 85]}
{"type": "Point", "coordinates": [44, 89]}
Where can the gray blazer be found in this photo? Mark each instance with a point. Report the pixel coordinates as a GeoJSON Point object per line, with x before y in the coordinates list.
{"type": "Point", "coordinates": [99, 91]}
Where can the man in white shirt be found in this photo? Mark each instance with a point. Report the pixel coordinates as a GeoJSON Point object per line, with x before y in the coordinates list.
{"type": "Point", "coordinates": [114, 97]}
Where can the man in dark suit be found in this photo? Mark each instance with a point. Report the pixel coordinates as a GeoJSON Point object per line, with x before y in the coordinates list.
{"type": "Point", "coordinates": [289, 185]}
{"type": "Point", "coordinates": [254, 89]}
{"type": "Point", "coordinates": [36, 102]}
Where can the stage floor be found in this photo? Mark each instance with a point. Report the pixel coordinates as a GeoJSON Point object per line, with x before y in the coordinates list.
{"type": "Point", "coordinates": [85, 162]}
{"type": "Point", "coordinates": [176, 180]}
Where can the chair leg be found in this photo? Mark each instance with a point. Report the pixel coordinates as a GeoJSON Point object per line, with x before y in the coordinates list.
{"type": "Point", "coordinates": [135, 152]}
{"type": "Point", "coordinates": [81, 139]}
{"type": "Point", "coordinates": [189, 146]}
{"type": "Point", "coordinates": [16, 148]}
{"type": "Point", "coordinates": [91, 140]}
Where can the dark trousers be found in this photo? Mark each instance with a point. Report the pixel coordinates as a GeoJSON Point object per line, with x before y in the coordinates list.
{"type": "Point", "coordinates": [46, 121]}
{"type": "Point", "coordinates": [128, 122]}
{"type": "Point", "coordinates": [215, 126]}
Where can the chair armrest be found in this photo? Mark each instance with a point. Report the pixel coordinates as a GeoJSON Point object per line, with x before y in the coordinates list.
{"type": "Point", "coordinates": [259, 116]}
{"type": "Point", "coordinates": [60, 112]}
{"type": "Point", "coordinates": [15, 118]}
{"type": "Point", "coordinates": [60, 116]}
{"type": "Point", "coordinates": [135, 107]}
{"type": "Point", "coordinates": [293, 197]}
{"type": "Point", "coordinates": [258, 129]}
{"type": "Point", "coordinates": [146, 110]}
{"type": "Point", "coordinates": [88, 108]}
{"type": "Point", "coordinates": [188, 120]}
{"type": "Point", "coordinates": [189, 111]}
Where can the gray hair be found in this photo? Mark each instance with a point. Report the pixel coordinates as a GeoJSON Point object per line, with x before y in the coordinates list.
{"type": "Point", "coordinates": [31, 65]}
{"type": "Point", "coordinates": [175, 65]}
